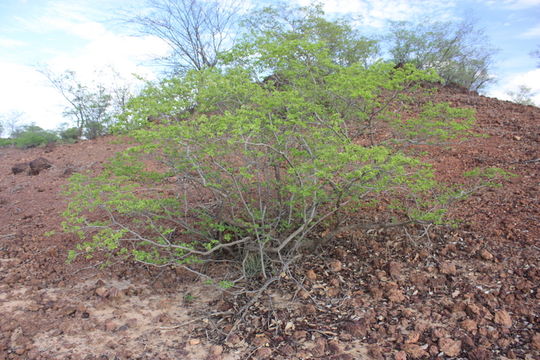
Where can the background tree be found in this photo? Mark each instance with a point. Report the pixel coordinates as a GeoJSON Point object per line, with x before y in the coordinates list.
{"type": "Point", "coordinates": [460, 53]}
{"type": "Point", "coordinates": [28, 136]}
{"type": "Point", "coordinates": [195, 30]}
{"type": "Point", "coordinates": [93, 107]}
{"type": "Point", "coordinates": [10, 122]}
{"type": "Point", "coordinates": [523, 95]}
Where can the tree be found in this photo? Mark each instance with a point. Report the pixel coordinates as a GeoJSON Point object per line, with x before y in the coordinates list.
{"type": "Point", "coordinates": [522, 96]}
{"type": "Point", "coordinates": [92, 107]}
{"type": "Point", "coordinates": [197, 31]}
{"type": "Point", "coordinates": [32, 135]}
{"type": "Point", "coordinates": [459, 52]}
{"type": "Point", "coordinates": [339, 38]}
{"type": "Point", "coordinates": [10, 122]}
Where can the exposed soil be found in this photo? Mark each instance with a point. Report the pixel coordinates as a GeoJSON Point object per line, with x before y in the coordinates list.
{"type": "Point", "coordinates": [467, 292]}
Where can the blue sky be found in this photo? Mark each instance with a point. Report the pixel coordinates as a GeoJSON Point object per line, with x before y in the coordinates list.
{"type": "Point", "coordinates": [83, 35]}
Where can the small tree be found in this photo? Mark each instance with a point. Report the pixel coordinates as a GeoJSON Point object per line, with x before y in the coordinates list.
{"type": "Point", "coordinates": [459, 52]}
{"type": "Point", "coordinates": [197, 31]}
{"type": "Point", "coordinates": [522, 96]}
{"type": "Point", "coordinates": [92, 107]}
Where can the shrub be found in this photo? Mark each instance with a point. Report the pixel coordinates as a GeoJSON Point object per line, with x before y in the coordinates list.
{"type": "Point", "coordinates": [258, 168]}
{"type": "Point", "coordinates": [32, 136]}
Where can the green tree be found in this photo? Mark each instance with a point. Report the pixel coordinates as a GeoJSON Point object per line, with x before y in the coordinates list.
{"type": "Point", "coordinates": [28, 136]}
{"type": "Point", "coordinates": [460, 53]}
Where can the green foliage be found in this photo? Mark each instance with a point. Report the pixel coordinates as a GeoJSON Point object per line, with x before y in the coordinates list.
{"type": "Point", "coordinates": [31, 136]}
{"type": "Point", "coordinates": [259, 165]}
{"type": "Point", "coordinates": [437, 123]}
{"type": "Point", "coordinates": [70, 134]}
{"type": "Point", "coordinates": [457, 51]}
{"type": "Point", "coordinates": [6, 142]}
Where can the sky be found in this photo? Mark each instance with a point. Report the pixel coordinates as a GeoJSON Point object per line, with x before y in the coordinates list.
{"type": "Point", "coordinates": [87, 36]}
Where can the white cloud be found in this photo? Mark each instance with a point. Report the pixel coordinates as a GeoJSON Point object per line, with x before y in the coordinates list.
{"type": "Point", "coordinates": [512, 82]}
{"type": "Point", "coordinates": [515, 4]}
{"type": "Point", "coordinates": [24, 90]}
{"type": "Point", "coordinates": [11, 43]}
{"type": "Point", "coordinates": [376, 13]}
{"type": "Point", "coordinates": [98, 49]}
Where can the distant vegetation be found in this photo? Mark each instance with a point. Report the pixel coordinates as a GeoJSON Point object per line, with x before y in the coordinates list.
{"type": "Point", "coordinates": [291, 135]}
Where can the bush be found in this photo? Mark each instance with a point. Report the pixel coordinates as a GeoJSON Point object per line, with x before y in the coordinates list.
{"type": "Point", "coordinates": [32, 136]}
{"type": "Point", "coordinates": [70, 134]}
{"type": "Point", "coordinates": [259, 169]}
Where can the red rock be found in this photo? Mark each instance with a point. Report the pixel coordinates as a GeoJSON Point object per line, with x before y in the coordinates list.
{"type": "Point", "coordinates": [335, 346]}
{"type": "Point", "coordinates": [448, 268]}
{"type": "Point", "coordinates": [395, 295]}
{"type": "Point", "coordinates": [37, 165]}
{"type": "Point", "coordinates": [479, 353]}
{"type": "Point", "coordinates": [535, 341]}
{"type": "Point", "coordinates": [400, 355]}
{"type": "Point", "coordinates": [310, 274]}
{"type": "Point", "coordinates": [502, 317]}
{"type": "Point", "coordinates": [260, 340]}
{"type": "Point", "coordinates": [335, 265]}
{"type": "Point", "coordinates": [102, 291]}
{"type": "Point", "coordinates": [450, 347]}
{"type": "Point", "coordinates": [263, 353]}
{"type": "Point", "coordinates": [394, 269]}
{"type": "Point", "coordinates": [414, 351]}
{"type": "Point", "coordinates": [309, 309]}
{"type": "Point", "coordinates": [469, 325]}
{"type": "Point", "coordinates": [233, 340]}
{"type": "Point", "coordinates": [357, 328]}
{"type": "Point", "coordinates": [486, 255]}
{"type": "Point", "coordinates": [341, 357]}
{"type": "Point", "coordinates": [320, 347]}
{"type": "Point", "coordinates": [332, 292]}
{"type": "Point", "coordinates": [216, 350]}
{"type": "Point", "coordinates": [413, 337]}
{"type": "Point", "coordinates": [299, 335]}
{"type": "Point", "coordinates": [19, 168]}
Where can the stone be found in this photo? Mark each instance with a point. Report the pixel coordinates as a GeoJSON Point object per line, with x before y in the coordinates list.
{"type": "Point", "coordinates": [310, 274]}
{"type": "Point", "coordinates": [19, 168]}
{"type": "Point", "coordinates": [415, 351]}
{"type": "Point", "coordinates": [263, 353]}
{"type": "Point", "coordinates": [469, 325]}
{"type": "Point", "coordinates": [448, 268]}
{"type": "Point", "coordinates": [335, 265]}
{"type": "Point", "coordinates": [102, 291]}
{"type": "Point", "coordinates": [400, 355]}
{"type": "Point", "coordinates": [502, 317]}
{"type": "Point", "coordinates": [449, 346]}
{"type": "Point", "coordinates": [486, 255]}
{"type": "Point", "coordinates": [38, 165]}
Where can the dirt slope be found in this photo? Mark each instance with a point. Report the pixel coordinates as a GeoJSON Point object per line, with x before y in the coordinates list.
{"type": "Point", "coordinates": [471, 292]}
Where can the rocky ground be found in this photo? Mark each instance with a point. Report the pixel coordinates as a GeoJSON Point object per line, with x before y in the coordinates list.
{"type": "Point", "coordinates": [469, 292]}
